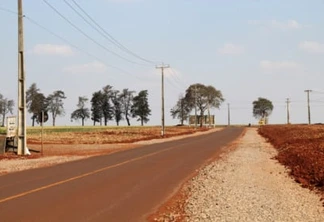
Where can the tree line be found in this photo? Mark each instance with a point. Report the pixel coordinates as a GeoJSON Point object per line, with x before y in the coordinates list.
{"type": "Point", "coordinates": [106, 104]}
{"type": "Point", "coordinates": [110, 104]}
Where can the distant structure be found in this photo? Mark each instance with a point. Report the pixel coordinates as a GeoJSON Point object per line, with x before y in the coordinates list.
{"type": "Point", "coordinates": [205, 120]}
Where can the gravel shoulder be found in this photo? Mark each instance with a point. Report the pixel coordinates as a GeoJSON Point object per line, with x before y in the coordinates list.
{"type": "Point", "coordinates": [247, 184]}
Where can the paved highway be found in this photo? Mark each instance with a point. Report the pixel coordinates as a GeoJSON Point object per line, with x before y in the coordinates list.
{"type": "Point", "coordinates": [124, 186]}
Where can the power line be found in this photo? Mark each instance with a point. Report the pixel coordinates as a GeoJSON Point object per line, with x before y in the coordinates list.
{"type": "Point", "coordinates": [86, 35]}
{"type": "Point", "coordinates": [68, 42]}
{"type": "Point", "coordinates": [106, 34]}
{"type": "Point", "coordinates": [8, 10]}
{"type": "Point", "coordinates": [78, 48]}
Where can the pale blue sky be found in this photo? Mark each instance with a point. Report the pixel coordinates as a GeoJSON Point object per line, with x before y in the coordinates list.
{"type": "Point", "coordinates": [245, 48]}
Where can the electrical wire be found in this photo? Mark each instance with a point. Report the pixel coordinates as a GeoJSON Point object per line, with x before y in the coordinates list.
{"type": "Point", "coordinates": [86, 35]}
{"type": "Point", "coordinates": [32, 21]}
{"type": "Point", "coordinates": [79, 49]}
{"type": "Point", "coordinates": [107, 35]}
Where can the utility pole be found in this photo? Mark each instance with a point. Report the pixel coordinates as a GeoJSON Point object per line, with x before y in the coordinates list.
{"type": "Point", "coordinates": [162, 67]}
{"type": "Point", "coordinates": [228, 115]}
{"type": "Point", "coordinates": [288, 114]}
{"type": "Point", "coordinates": [308, 106]}
{"type": "Point", "coordinates": [21, 85]}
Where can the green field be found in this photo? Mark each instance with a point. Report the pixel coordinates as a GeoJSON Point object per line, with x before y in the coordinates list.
{"type": "Point", "coordinates": [2, 130]}
{"type": "Point", "coordinates": [80, 129]}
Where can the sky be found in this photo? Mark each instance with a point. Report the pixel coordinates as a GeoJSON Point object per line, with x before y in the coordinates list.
{"type": "Point", "coordinates": [245, 48]}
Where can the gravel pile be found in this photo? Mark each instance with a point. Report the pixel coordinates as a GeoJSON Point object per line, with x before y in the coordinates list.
{"type": "Point", "coordinates": [248, 185]}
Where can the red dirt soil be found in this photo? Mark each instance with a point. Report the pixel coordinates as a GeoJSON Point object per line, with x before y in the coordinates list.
{"type": "Point", "coordinates": [301, 150]}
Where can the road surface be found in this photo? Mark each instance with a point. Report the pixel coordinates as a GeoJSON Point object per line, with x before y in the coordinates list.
{"type": "Point", "coordinates": [124, 186]}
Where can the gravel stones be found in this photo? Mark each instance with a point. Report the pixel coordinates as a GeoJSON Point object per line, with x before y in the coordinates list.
{"type": "Point", "coordinates": [249, 185]}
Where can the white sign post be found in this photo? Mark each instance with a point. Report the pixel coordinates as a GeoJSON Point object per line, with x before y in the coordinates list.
{"type": "Point", "coordinates": [11, 126]}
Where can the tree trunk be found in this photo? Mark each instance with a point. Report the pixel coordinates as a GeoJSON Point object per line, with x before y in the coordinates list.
{"type": "Point", "coordinates": [3, 118]}
{"type": "Point", "coordinates": [142, 122]}
{"type": "Point", "coordinates": [127, 119]}
{"type": "Point", "coordinates": [82, 121]}
{"type": "Point", "coordinates": [33, 121]}
{"type": "Point", "coordinates": [53, 121]}
{"type": "Point", "coordinates": [117, 123]}
{"type": "Point", "coordinates": [201, 119]}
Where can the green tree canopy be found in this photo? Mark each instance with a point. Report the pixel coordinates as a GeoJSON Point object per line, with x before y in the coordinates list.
{"type": "Point", "coordinates": [36, 102]}
{"type": "Point", "coordinates": [126, 100]}
{"type": "Point", "coordinates": [96, 107]}
{"type": "Point", "coordinates": [55, 104]}
{"type": "Point", "coordinates": [117, 106]}
{"type": "Point", "coordinates": [203, 97]}
{"type": "Point", "coordinates": [140, 107]}
{"type": "Point", "coordinates": [106, 103]}
{"type": "Point", "coordinates": [81, 112]}
{"type": "Point", "coordinates": [181, 110]}
{"type": "Point", "coordinates": [262, 108]}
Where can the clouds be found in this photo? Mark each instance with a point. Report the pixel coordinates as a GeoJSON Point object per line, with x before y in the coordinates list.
{"type": "Point", "coordinates": [312, 47]}
{"type": "Point", "coordinates": [276, 24]}
{"type": "Point", "coordinates": [231, 49]}
{"type": "Point", "coordinates": [268, 65]}
{"type": "Point", "coordinates": [52, 50]}
{"type": "Point", "coordinates": [91, 68]}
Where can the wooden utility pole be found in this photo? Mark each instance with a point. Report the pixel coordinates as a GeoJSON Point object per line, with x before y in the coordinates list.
{"type": "Point", "coordinates": [162, 67]}
{"type": "Point", "coordinates": [308, 106]}
{"type": "Point", "coordinates": [288, 114]}
{"type": "Point", "coordinates": [228, 114]}
{"type": "Point", "coordinates": [22, 145]}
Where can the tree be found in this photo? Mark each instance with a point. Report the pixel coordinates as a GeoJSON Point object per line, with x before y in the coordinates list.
{"type": "Point", "coordinates": [117, 106]}
{"type": "Point", "coordinates": [6, 106]}
{"type": "Point", "coordinates": [36, 102]}
{"type": "Point", "coordinates": [140, 107]}
{"type": "Point", "coordinates": [55, 104]}
{"type": "Point", "coordinates": [181, 110]}
{"type": "Point", "coordinates": [262, 108]}
{"type": "Point", "coordinates": [82, 112]}
{"type": "Point", "coordinates": [126, 100]}
{"type": "Point", "coordinates": [203, 97]}
{"type": "Point", "coordinates": [106, 106]}
{"type": "Point", "coordinates": [96, 107]}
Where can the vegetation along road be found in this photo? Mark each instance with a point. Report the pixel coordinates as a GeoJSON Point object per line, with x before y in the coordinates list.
{"type": "Point", "coordinates": [124, 186]}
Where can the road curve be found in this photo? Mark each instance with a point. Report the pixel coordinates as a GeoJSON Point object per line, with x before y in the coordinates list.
{"type": "Point", "coordinates": [124, 186]}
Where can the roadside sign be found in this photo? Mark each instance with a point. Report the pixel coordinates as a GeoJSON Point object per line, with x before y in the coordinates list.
{"type": "Point", "coordinates": [11, 126]}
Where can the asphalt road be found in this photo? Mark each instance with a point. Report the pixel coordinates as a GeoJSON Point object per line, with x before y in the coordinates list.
{"type": "Point", "coordinates": [124, 186]}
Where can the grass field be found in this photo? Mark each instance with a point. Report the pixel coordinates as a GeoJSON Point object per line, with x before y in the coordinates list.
{"type": "Point", "coordinates": [103, 135]}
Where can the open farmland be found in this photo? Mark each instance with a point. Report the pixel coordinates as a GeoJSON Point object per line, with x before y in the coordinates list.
{"type": "Point", "coordinates": [103, 135]}
{"type": "Point", "coordinates": [301, 150]}
{"type": "Point", "coordinates": [88, 141]}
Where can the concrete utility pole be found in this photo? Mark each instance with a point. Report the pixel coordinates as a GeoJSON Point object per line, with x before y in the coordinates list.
{"type": "Point", "coordinates": [22, 145]}
{"type": "Point", "coordinates": [288, 114]}
{"type": "Point", "coordinates": [308, 105]}
{"type": "Point", "coordinates": [228, 114]}
{"type": "Point", "coordinates": [162, 67]}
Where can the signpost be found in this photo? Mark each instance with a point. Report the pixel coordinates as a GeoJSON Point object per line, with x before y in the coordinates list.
{"type": "Point", "coordinates": [11, 127]}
